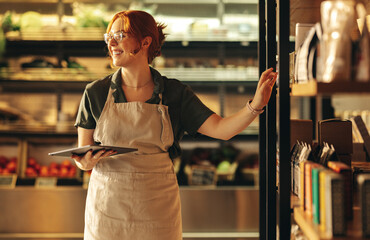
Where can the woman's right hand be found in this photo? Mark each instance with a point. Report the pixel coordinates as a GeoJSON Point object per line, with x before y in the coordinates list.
{"type": "Point", "coordinates": [89, 160]}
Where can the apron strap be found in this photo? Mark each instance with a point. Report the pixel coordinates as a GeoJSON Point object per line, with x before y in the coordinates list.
{"type": "Point", "coordinates": [160, 98]}
{"type": "Point", "coordinates": [110, 97]}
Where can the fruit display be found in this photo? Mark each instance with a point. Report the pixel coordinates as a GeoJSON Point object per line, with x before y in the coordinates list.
{"type": "Point", "coordinates": [65, 169]}
{"type": "Point", "coordinates": [8, 165]}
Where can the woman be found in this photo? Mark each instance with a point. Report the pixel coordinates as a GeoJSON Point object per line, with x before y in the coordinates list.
{"type": "Point", "coordinates": [135, 195]}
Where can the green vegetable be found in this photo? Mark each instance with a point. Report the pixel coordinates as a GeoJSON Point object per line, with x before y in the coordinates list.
{"type": "Point", "coordinates": [2, 42]}
{"type": "Point", "coordinates": [223, 166]}
{"type": "Point", "coordinates": [90, 15]}
{"type": "Point", "coordinates": [31, 20]}
{"type": "Point", "coordinates": [7, 22]}
{"type": "Point", "coordinates": [73, 64]}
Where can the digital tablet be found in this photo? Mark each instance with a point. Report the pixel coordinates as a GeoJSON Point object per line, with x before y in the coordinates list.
{"type": "Point", "coordinates": [95, 148]}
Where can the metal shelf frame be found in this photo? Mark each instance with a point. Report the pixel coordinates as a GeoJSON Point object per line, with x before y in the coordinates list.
{"type": "Point", "coordinates": [275, 210]}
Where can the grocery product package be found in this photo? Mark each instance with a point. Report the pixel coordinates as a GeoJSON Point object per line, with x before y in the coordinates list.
{"type": "Point", "coordinates": [337, 19]}
{"type": "Point", "coordinates": [361, 55]}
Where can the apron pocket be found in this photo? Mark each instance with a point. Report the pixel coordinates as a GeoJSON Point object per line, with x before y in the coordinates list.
{"type": "Point", "coordinates": [157, 200]}
{"type": "Point", "coordinates": [143, 200]}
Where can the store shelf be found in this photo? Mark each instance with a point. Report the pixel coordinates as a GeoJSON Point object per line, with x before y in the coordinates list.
{"type": "Point", "coordinates": [232, 74]}
{"type": "Point", "coordinates": [305, 223]}
{"type": "Point", "coordinates": [229, 75]}
{"type": "Point", "coordinates": [75, 80]}
{"type": "Point", "coordinates": [29, 1]}
{"type": "Point", "coordinates": [360, 166]}
{"type": "Point", "coordinates": [200, 2]}
{"type": "Point", "coordinates": [96, 34]}
{"type": "Point", "coordinates": [58, 34]}
{"type": "Point", "coordinates": [252, 37]}
{"type": "Point", "coordinates": [294, 201]}
{"type": "Point", "coordinates": [144, 1]}
{"type": "Point", "coordinates": [37, 130]}
{"type": "Point", "coordinates": [51, 131]}
{"type": "Point", "coordinates": [51, 75]}
{"type": "Point", "coordinates": [313, 88]}
{"type": "Point", "coordinates": [313, 232]}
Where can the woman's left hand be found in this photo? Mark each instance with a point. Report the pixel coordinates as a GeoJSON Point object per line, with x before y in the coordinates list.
{"type": "Point", "coordinates": [264, 89]}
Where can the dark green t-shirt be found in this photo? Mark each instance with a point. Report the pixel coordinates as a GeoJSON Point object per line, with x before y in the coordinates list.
{"type": "Point", "coordinates": [186, 111]}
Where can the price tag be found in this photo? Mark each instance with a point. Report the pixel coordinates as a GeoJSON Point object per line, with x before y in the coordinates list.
{"type": "Point", "coordinates": [202, 175]}
{"type": "Point", "coordinates": [46, 182]}
{"type": "Point", "coordinates": [8, 181]}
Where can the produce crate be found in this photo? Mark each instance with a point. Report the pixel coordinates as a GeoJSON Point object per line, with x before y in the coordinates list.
{"type": "Point", "coordinates": [10, 153]}
{"type": "Point", "coordinates": [37, 163]}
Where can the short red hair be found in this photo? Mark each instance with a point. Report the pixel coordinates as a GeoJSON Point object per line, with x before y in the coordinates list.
{"type": "Point", "coordinates": [140, 24]}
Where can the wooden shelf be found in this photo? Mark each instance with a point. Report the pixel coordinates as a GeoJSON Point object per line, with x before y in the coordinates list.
{"type": "Point", "coordinates": [313, 88]}
{"type": "Point", "coordinates": [310, 229]}
{"type": "Point", "coordinates": [294, 201]}
{"type": "Point", "coordinates": [313, 232]}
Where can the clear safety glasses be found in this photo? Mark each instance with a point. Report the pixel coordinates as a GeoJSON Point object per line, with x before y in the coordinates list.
{"type": "Point", "coordinates": [117, 36]}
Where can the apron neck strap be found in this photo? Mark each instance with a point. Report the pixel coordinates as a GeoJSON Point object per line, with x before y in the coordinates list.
{"type": "Point", "coordinates": [160, 98]}
{"type": "Point", "coordinates": [110, 97]}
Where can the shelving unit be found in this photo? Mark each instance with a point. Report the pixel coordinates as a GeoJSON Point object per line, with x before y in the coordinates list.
{"type": "Point", "coordinates": [313, 232]}
{"type": "Point", "coordinates": [232, 76]}
{"type": "Point", "coordinates": [286, 205]}
{"type": "Point", "coordinates": [96, 34]}
{"type": "Point", "coordinates": [62, 42]}
{"type": "Point", "coordinates": [314, 88]}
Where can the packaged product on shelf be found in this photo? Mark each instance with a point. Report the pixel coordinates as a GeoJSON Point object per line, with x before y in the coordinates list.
{"type": "Point", "coordinates": [346, 172]}
{"type": "Point", "coordinates": [308, 186]}
{"type": "Point", "coordinates": [305, 65]}
{"type": "Point", "coordinates": [362, 129]}
{"type": "Point", "coordinates": [316, 193]}
{"type": "Point", "coordinates": [337, 19]}
{"type": "Point", "coordinates": [322, 199]}
{"type": "Point", "coordinates": [334, 210]}
{"type": "Point", "coordinates": [302, 183]}
{"type": "Point", "coordinates": [361, 64]}
{"type": "Point", "coordinates": [364, 200]}
{"type": "Point", "coordinates": [330, 129]}
{"type": "Point", "coordinates": [300, 153]}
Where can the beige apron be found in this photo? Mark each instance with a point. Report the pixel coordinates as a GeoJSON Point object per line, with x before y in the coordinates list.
{"type": "Point", "coordinates": [135, 195]}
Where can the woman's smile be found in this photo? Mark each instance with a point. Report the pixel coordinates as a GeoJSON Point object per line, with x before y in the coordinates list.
{"type": "Point", "coordinates": [117, 52]}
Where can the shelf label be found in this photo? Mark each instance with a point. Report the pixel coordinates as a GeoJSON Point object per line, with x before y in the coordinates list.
{"type": "Point", "coordinates": [46, 182]}
{"type": "Point", "coordinates": [8, 181]}
{"type": "Point", "coordinates": [201, 175]}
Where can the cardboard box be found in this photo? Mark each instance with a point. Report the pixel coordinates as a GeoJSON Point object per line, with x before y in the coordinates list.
{"type": "Point", "coordinates": [359, 154]}
{"type": "Point", "coordinates": [364, 193]}
{"type": "Point", "coordinates": [300, 130]}
{"type": "Point", "coordinates": [302, 11]}
{"type": "Point", "coordinates": [336, 132]}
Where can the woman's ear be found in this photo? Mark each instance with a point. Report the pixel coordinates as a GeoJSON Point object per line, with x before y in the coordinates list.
{"type": "Point", "coordinates": [146, 42]}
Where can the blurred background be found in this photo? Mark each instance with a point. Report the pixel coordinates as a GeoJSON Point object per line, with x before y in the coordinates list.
{"type": "Point", "coordinates": [49, 51]}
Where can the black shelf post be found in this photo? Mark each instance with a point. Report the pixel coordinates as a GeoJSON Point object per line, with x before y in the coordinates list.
{"type": "Point", "coordinates": [284, 121]}
{"type": "Point", "coordinates": [262, 123]}
{"type": "Point", "coordinates": [271, 124]}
